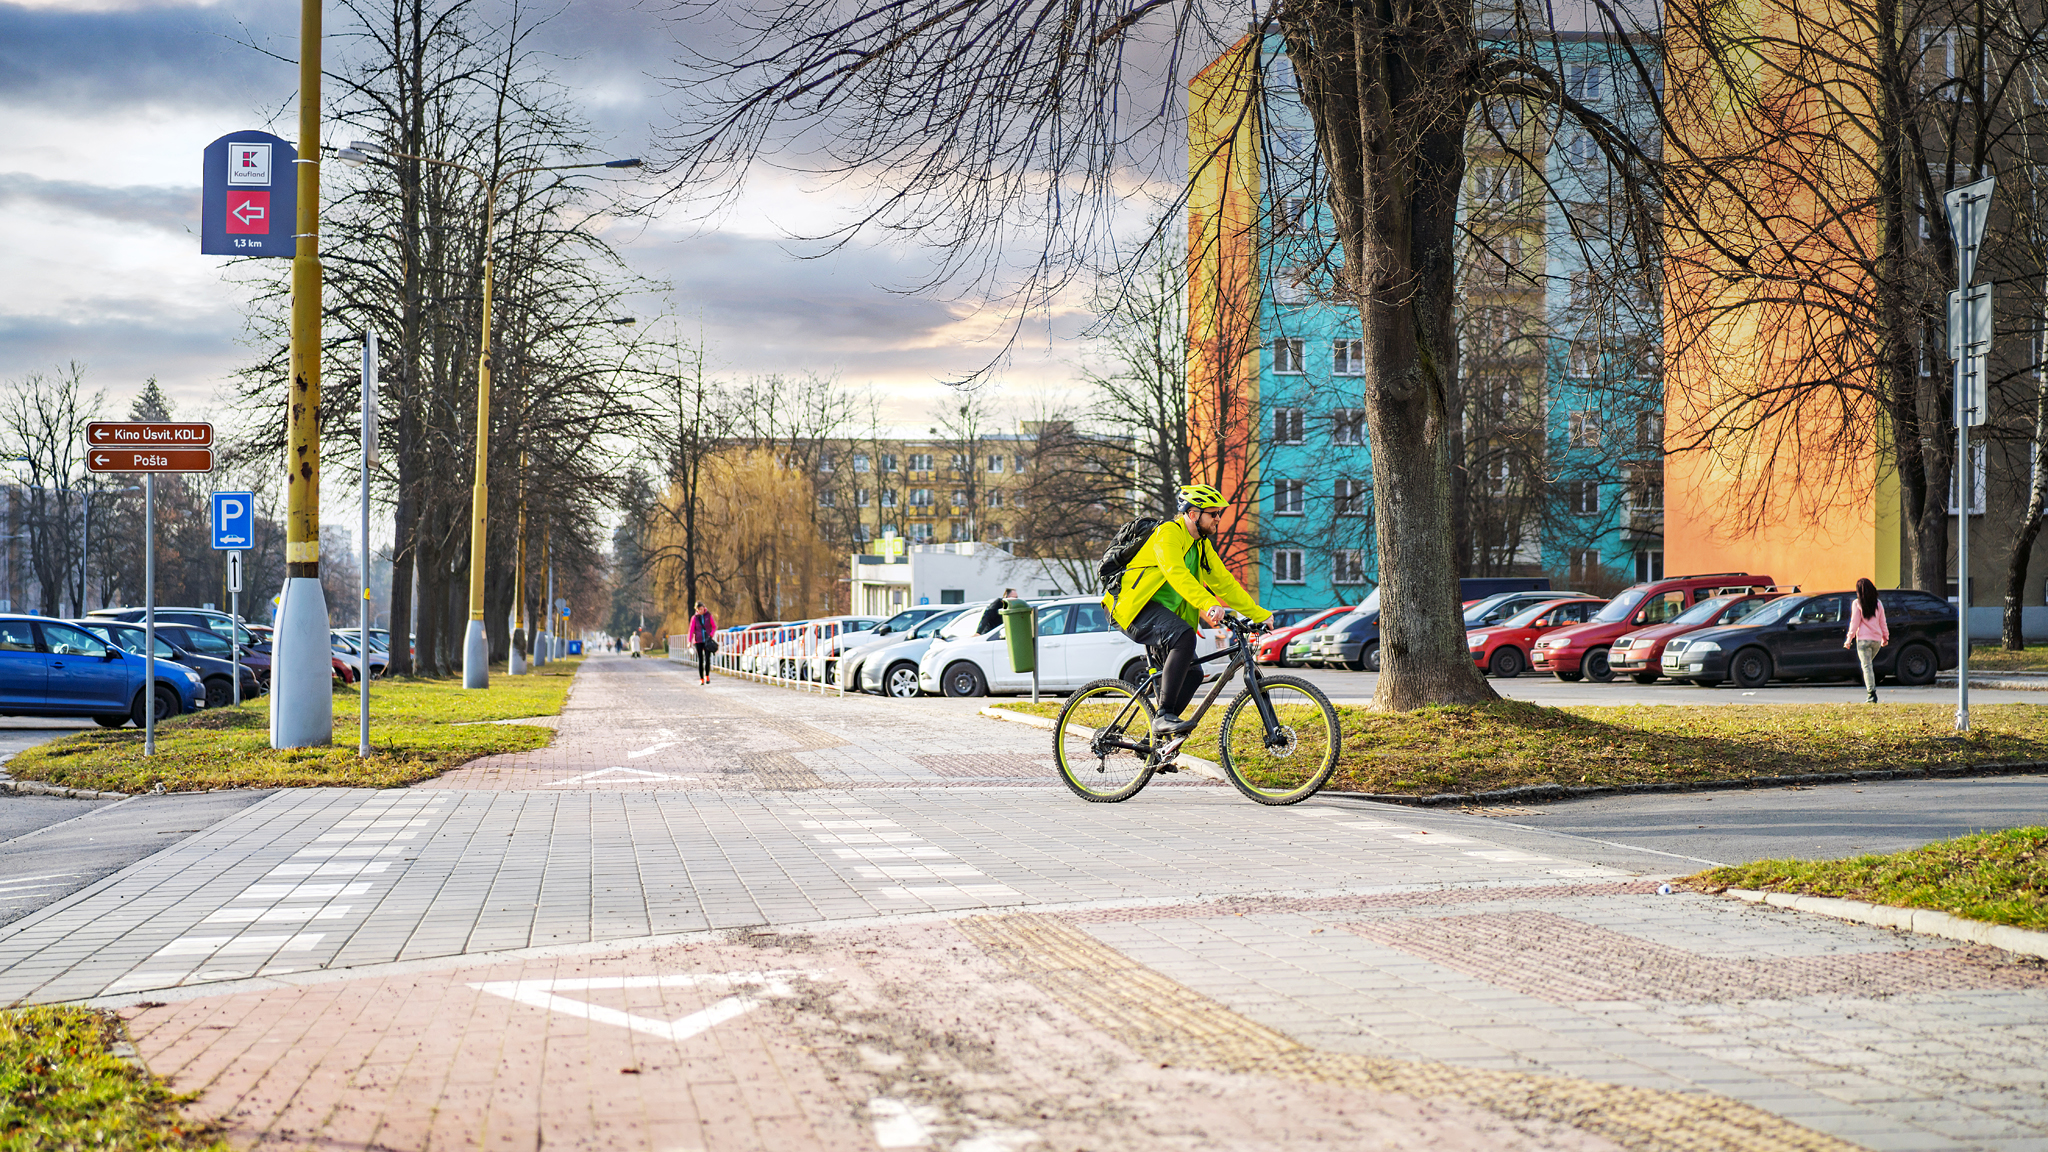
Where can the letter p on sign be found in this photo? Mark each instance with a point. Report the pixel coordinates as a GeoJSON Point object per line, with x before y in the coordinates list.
{"type": "Point", "coordinates": [234, 520]}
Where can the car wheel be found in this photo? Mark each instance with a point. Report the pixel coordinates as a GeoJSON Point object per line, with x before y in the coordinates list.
{"type": "Point", "coordinates": [1369, 659]}
{"type": "Point", "coordinates": [1507, 663]}
{"type": "Point", "coordinates": [1751, 668]}
{"type": "Point", "coordinates": [1134, 671]}
{"type": "Point", "coordinates": [1569, 677]}
{"type": "Point", "coordinates": [963, 679]}
{"type": "Point", "coordinates": [166, 706]}
{"type": "Point", "coordinates": [1644, 677]}
{"type": "Point", "coordinates": [219, 692]}
{"type": "Point", "coordinates": [1596, 667]}
{"type": "Point", "coordinates": [901, 682]}
{"type": "Point", "coordinates": [114, 721]}
{"type": "Point", "coordinates": [1915, 665]}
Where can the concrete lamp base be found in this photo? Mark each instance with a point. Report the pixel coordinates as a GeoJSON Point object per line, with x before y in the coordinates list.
{"type": "Point", "coordinates": [302, 669]}
{"type": "Point", "coordinates": [476, 657]}
{"type": "Point", "coordinates": [515, 664]}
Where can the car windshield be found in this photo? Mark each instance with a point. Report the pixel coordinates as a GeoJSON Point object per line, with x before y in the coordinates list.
{"type": "Point", "coordinates": [1704, 611]}
{"type": "Point", "coordinates": [1622, 606]}
{"type": "Point", "coordinates": [1776, 610]}
{"type": "Point", "coordinates": [962, 626]}
{"type": "Point", "coordinates": [132, 639]}
{"type": "Point", "coordinates": [932, 624]}
{"type": "Point", "coordinates": [201, 641]}
{"type": "Point", "coordinates": [900, 622]}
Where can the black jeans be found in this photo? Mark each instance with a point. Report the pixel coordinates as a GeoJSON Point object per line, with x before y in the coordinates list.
{"type": "Point", "coordinates": [704, 660]}
{"type": "Point", "coordinates": [1171, 640]}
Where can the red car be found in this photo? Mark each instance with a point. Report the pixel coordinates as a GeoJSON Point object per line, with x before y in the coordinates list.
{"type": "Point", "coordinates": [1572, 653]}
{"type": "Point", "coordinates": [1503, 649]}
{"type": "Point", "coordinates": [1272, 647]}
{"type": "Point", "coordinates": [1638, 654]}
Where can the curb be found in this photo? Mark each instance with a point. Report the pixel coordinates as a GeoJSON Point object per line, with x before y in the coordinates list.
{"type": "Point", "coordinates": [33, 788]}
{"type": "Point", "coordinates": [1194, 764]}
{"type": "Point", "coordinates": [1925, 921]}
{"type": "Point", "coordinates": [2040, 685]}
{"type": "Point", "coordinates": [1542, 792]}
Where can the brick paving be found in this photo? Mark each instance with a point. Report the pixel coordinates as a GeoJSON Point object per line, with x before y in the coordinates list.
{"type": "Point", "coordinates": [740, 916]}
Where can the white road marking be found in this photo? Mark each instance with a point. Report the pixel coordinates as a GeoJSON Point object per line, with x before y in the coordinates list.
{"type": "Point", "coordinates": [333, 868]}
{"type": "Point", "coordinates": [543, 994]}
{"type": "Point", "coordinates": [302, 891]}
{"type": "Point", "coordinates": [211, 945]}
{"type": "Point", "coordinates": [634, 773]}
{"type": "Point", "coordinates": [651, 749]}
{"type": "Point", "coordinates": [900, 1125]}
{"type": "Point", "coordinates": [276, 915]}
{"type": "Point", "coordinates": [886, 848]}
{"type": "Point", "coordinates": [924, 853]}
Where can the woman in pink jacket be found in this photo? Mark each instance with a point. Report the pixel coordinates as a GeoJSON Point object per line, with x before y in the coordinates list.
{"type": "Point", "coordinates": [704, 638]}
{"type": "Point", "coordinates": [1867, 632]}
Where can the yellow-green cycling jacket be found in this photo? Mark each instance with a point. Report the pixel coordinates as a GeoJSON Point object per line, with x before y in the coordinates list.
{"type": "Point", "coordinates": [1181, 572]}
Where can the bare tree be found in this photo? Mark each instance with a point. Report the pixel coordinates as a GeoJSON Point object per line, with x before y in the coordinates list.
{"type": "Point", "coordinates": [42, 429]}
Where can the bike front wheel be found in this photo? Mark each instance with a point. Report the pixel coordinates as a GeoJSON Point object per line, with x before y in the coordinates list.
{"type": "Point", "coordinates": [1291, 763]}
{"type": "Point", "coordinates": [1102, 741]}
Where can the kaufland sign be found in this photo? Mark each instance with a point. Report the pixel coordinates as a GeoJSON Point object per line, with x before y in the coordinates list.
{"type": "Point", "coordinates": [251, 199]}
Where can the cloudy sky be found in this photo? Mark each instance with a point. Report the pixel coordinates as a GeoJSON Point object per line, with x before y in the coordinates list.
{"type": "Point", "coordinates": [108, 103]}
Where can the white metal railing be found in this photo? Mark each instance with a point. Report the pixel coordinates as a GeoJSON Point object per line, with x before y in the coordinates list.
{"type": "Point", "coordinates": [781, 654]}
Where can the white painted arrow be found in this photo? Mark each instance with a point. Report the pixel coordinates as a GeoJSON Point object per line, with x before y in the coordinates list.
{"type": "Point", "coordinates": [543, 994]}
{"type": "Point", "coordinates": [638, 773]}
{"type": "Point", "coordinates": [247, 212]}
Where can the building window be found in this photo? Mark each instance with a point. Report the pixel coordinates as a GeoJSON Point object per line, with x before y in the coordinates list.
{"type": "Point", "coordinates": [1582, 359]}
{"type": "Point", "coordinates": [1287, 566]}
{"type": "Point", "coordinates": [1292, 214]}
{"type": "Point", "coordinates": [1016, 463]}
{"type": "Point", "coordinates": [860, 498]}
{"type": "Point", "coordinates": [1503, 115]}
{"type": "Point", "coordinates": [828, 499]}
{"type": "Point", "coordinates": [888, 461]}
{"type": "Point", "coordinates": [952, 595]}
{"type": "Point", "coordinates": [1349, 566]}
{"type": "Point", "coordinates": [824, 463]}
{"type": "Point", "coordinates": [1582, 430]}
{"type": "Point", "coordinates": [1976, 483]}
{"type": "Point", "coordinates": [959, 498]}
{"type": "Point", "coordinates": [1650, 431]}
{"type": "Point", "coordinates": [1585, 567]}
{"type": "Point", "coordinates": [1583, 287]}
{"type": "Point", "coordinates": [920, 497]}
{"type": "Point", "coordinates": [1498, 186]}
{"type": "Point", "coordinates": [1582, 497]}
{"type": "Point", "coordinates": [995, 500]}
{"type": "Point", "coordinates": [920, 461]}
{"type": "Point", "coordinates": [1291, 286]}
{"type": "Point", "coordinates": [1500, 474]}
{"type": "Point", "coordinates": [1347, 357]}
{"type": "Point", "coordinates": [956, 532]}
{"type": "Point", "coordinates": [1287, 356]}
{"type": "Point", "coordinates": [1646, 495]}
{"type": "Point", "coordinates": [920, 533]}
{"type": "Point", "coordinates": [888, 497]}
{"type": "Point", "coordinates": [1585, 82]}
{"type": "Point", "coordinates": [1581, 150]}
{"type": "Point", "coordinates": [1351, 498]}
{"type": "Point", "coordinates": [1287, 497]}
{"type": "Point", "coordinates": [1349, 426]}
{"type": "Point", "coordinates": [1288, 426]}
{"type": "Point", "coordinates": [860, 461]}
{"type": "Point", "coordinates": [995, 463]}
{"type": "Point", "coordinates": [1649, 565]}
{"type": "Point", "coordinates": [959, 462]}
{"type": "Point", "coordinates": [860, 533]}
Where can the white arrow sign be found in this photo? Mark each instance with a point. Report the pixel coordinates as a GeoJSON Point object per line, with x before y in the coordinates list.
{"type": "Point", "coordinates": [248, 213]}
{"type": "Point", "coordinates": [543, 994]}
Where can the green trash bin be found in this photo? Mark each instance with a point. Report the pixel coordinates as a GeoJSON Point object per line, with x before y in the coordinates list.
{"type": "Point", "coordinates": [1020, 625]}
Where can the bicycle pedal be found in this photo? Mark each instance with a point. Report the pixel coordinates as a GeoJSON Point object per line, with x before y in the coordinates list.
{"type": "Point", "coordinates": [1167, 768]}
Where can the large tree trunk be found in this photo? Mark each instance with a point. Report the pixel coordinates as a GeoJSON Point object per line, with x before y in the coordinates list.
{"type": "Point", "coordinates": [1388, 91]}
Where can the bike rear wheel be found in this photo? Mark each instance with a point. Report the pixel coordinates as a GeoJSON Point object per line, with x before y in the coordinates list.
{"type": "Point", "coordinates": [1102, 741]}
{"type": "Point", "coordinates": [1298, 759]}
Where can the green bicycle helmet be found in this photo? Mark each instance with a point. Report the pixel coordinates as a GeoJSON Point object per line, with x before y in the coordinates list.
{"type": "Point", "coordinates": [1201, 496]}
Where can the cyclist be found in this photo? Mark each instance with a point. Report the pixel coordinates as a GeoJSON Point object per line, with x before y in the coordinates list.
{"type": "Point", "coordinates": [1174, 584]}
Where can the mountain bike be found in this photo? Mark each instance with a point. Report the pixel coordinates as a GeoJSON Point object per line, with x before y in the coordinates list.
{"type": "Point", "coordinates": [1278, 742]}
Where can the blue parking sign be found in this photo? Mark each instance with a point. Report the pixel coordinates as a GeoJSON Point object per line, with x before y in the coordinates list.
{"type": "Point", "coordinates": [234, 520]}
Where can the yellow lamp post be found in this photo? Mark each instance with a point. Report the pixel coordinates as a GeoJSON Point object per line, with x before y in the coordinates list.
{"type": "Point", "coordinates": [476, 646]}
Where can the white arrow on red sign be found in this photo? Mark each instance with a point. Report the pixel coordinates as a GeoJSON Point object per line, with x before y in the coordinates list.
{"type": "Point", "coordinates": [248, 213]}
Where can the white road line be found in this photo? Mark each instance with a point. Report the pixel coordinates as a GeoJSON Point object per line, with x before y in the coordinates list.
{"type": "Point", "coordinates": [276, 915]}
{"type": "Point", "coordinates": [900, 1125]}
{"type": "Point", "coordinates": [635, 773]}
{"type": "Point", "coordinates": [544, 994]}
{"type": "Point", "coordinates": [651, 749]}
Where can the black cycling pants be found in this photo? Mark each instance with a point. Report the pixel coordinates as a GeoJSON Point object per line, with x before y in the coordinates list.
{"type": "Point", "coordinates": [703, 660]}
{"type": "Point", "coordinates": [1171, 640]}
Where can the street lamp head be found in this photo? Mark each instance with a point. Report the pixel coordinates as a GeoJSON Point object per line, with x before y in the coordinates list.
{"type": "Point", "coordinates": [366, 146]}
{"type": "Point", "coordinates": [633, 163]}
{"type": "Point", "coordinates": [624, 320]}
{"type": "Point", "coordinates": [351, 157]}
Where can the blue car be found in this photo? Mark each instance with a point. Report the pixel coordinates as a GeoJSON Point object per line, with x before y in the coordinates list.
{"type": "Point", "coordinates": [53, 668]}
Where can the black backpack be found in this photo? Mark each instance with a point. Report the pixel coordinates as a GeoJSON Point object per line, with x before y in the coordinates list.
{"type": "Point", "coordinates": [1124, 548]}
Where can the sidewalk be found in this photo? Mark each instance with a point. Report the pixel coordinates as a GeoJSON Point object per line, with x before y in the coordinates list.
{"type": "Point", "coordinates": [794, 922]}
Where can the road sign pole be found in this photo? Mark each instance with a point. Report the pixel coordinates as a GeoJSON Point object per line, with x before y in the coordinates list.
{"type": "Point", "coordinates": [1969, 210]}
{"type": "Point", "coordinates": [235, 610]}
{"type": "Point", "coordinates": [369, 434]}
{"type": "Point", "coordinates": [149, 615]}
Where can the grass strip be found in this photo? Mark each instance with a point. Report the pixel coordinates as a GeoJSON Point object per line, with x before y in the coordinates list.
{"type": "Point", "coordinates": [418, 729]}
{"type": "Point", "coordinates": [1995, 658]}
{"type": "Point", "coordinates": [1996, 877]}
{"type": "Point", "coordinates": [1511, 743]}
{"type": "Point", "coordinates": [63, 1088]}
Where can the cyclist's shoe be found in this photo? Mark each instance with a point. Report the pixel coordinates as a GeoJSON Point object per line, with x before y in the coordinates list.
{"type": "Point", "coordinates": [1167, 724]}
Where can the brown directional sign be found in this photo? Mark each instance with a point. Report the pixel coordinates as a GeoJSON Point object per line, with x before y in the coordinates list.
{"type": "Point", "coordinates": [148, 434]}
{"type": "Point", "coordinates": [149, 459]}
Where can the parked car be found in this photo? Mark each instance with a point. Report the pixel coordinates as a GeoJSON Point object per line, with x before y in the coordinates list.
{"type": "Point", "coordinates": [1076, 643]}
{"type": "Point", "coordinates": [828, 638]}
{"type": "Point", "coordinates": [53, 667]}
{"type": "Point", "coordinates": [1800, 638]}
{"type": "Point", "coordinates": [1274, 647]}
{"type": "Point", "coordinates": [856, 648]}
{"type": "Point", "coordinates": [1350, 641]}
{"type": "Point", "coordinates": [202, 651]}
{"type": "Point", "coordinates": [207, 618]}
{"type": "Point", "coordinates": [1639, 654]}
{"type": "Point", "coordinates": [344, 644]}
{"type": "Point", "coordinates": [1582, 651]}
{"type": "Point", "coordinates": [891, 668]}
{"type": "Point", "coordinates": [1492, 610]}
{"type": "Point", "coordinates": [767, 646]}
{"type": "Point", "coordinates": [1503, 649]}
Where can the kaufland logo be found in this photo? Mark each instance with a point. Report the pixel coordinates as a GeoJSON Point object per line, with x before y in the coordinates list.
{"type": "Point", "coordinates": [249, 164]}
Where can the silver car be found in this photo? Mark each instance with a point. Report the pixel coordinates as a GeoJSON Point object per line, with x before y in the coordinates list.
{"type": "Point", "coordinates": [855, 648]}
{"type": "Point", "coordinates": [892, 668]}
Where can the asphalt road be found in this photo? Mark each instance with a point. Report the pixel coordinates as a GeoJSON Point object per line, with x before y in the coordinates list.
{"type": "Point", "coordinates": [55, 847]}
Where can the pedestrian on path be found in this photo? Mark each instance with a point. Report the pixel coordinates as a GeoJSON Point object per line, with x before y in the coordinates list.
{"type": "Point", "coordinates": [1868, 632]}
{"type": "Point", "coordinates": [704, 637]}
